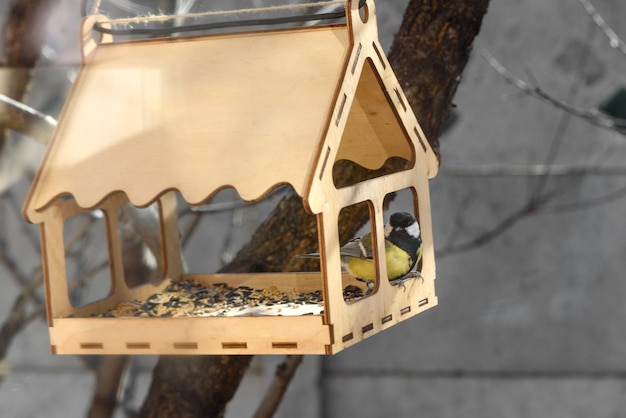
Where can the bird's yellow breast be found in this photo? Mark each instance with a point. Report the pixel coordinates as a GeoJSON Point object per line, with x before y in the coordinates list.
{"type": "Point", "coordinates": [398, 264]}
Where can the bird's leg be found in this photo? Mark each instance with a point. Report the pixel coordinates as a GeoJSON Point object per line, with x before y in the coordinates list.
{"type": "Point", "coordinates": [411, 275]}
{"type": "Point", "coordinates": [369, 283]}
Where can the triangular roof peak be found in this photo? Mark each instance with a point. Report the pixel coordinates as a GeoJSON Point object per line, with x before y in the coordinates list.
{"type": "Point", "coordinates": [248, 110]}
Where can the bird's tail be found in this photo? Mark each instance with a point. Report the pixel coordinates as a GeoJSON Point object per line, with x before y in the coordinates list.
{"type": "Point", "coordinates": [309, 255]}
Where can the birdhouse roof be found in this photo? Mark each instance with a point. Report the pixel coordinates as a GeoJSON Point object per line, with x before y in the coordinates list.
{"type": "Point", "coordinates": [248, 110]}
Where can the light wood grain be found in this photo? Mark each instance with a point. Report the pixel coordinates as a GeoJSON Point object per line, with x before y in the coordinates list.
{"type": "Point", "coordinates": [251, 111]}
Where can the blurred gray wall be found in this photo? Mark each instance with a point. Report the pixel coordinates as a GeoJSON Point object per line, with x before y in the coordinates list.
{"type": "Point", "coordinates": [528, 325]}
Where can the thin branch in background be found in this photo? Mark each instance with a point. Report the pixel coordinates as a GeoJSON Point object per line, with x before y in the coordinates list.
{"type": "Point", "coordinates": [531, 170]}
{"type": "Point", "coordinates": [190, 227]}
{"type": "Point", "coordinates": [109, 375]}
{"type": "Point", "coordinates": [24, 108]}
{"type": "Point", "coordinates": [86, 276]}
{"type": "Point", "coordinates": [538, 197]}
{"type": "Point", "coordinates": [614, 40]}
{"type": "Point", "coordinates": [480, 240]}
{"type": "Point", "coordinates": [18, 317]}
{"type": "Point", "coordinates": [586, 204]}
{"type": "Point", "coordinates": [24, 119]}
{"type": "Point", "coordinates": [23, 282]}
{"type": "Point", "coordinates": [14, 203]}
{"type": "Point", "coordinates": [553, 150]}
{"type": "Point", "coordinates": [284, 373]}
{"type": "Point", "coordinates": [458, 225]}
{"type": "Point", "coordinates": [12, 268]}
{"type": "Point", "coordinates": [128, 389]}
{"type": "Point", "coordinates": [11, 264]}
{"type": "Point", "coordinates": [195, 212]}
{"type": "Point", "coordinates": [593, 116]}
{"type": "Point", "coordinates": [564, 119]}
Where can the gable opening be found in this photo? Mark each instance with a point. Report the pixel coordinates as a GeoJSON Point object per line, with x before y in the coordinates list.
{"type": "Point", "coordinates": [374, 141]}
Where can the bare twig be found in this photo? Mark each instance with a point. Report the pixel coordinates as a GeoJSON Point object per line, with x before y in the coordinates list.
{"type": "Point", "coordinates": [189, 229]}
{"type": "Point", "coordinates": [26, 120]}
{"type": "Point", "coordinates": [480, 240]}
{"type": "Point", "coordinates": [586, 204]}
{"type": "Point", "coordinates": [11, 266]}
{"type": "Point", "coordinates": [614, 40]}
{"type": "Point", "coordinates": [108, 377]}
{"type": "Point", "coordinates": [564, 119]}
{"type": "Point", "coordinates": [593, 116]}
{"type": "Point", "coordinates": [284, 373]}
{"type": "Point", "coordinates": [14, 203]}
{"type": "Point", "coordinates": [531, 170]}
{"type": "Point", "coordinates": [22, 37]}
{"type": "Point", "coordinates": [538, 197]}
{"type": "Point", "coordinates": [18, 317]}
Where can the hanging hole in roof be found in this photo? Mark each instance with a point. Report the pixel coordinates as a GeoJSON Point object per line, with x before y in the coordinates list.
{"type": "Point", "coordinates": [364, 13]}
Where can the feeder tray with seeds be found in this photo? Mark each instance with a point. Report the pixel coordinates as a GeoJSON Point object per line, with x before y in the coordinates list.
{"type": "Point", "coordinates": [147, 118]}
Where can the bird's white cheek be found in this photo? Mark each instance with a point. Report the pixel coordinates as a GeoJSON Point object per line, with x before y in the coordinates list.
{"type": "Point", "coordinates": [413, 230]}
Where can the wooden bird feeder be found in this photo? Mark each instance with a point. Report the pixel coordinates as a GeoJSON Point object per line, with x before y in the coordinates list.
{"type": "Point", "coordinates": [254, 110]}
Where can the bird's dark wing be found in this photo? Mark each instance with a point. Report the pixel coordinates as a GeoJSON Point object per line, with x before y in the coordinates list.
{"type": "Point", "coordinates": [359, 247]}
{"type": "Point", "coordinates": [309, 255]}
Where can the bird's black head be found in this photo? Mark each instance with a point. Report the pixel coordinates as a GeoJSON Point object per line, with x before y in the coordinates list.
{"type": "Point", "coordinates": [404, 232]}
{"type": "Point", "coordinates": [402, 224]}
{"type": "Point", "coordinates": [401, 220]}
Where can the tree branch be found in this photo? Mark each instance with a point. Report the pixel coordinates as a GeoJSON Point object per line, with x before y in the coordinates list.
{"type": "Point", "coordinates": [593, 116]}
{"type": "Point", "coordinates": [614, 40]}
{"type": "Point", "coordinates": [429, 54]}
{"type": "Point", "coordinates": [284, 374]}
{"type": "Point", "coordinates": [539, 197]}
{"type": "Point", "coordinates": [22, 36]}
{"type": "Point", "coordinates": [24, 119]}
{"type": "Point", "coordinates": [108, 377]}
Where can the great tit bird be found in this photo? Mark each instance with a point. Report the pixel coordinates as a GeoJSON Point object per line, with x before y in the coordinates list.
{"type": "Point", "coordinates": [403, 250]}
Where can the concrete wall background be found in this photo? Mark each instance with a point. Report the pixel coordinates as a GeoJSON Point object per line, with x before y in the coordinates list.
{"type": "Point", "coordinates": [529, 325]}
